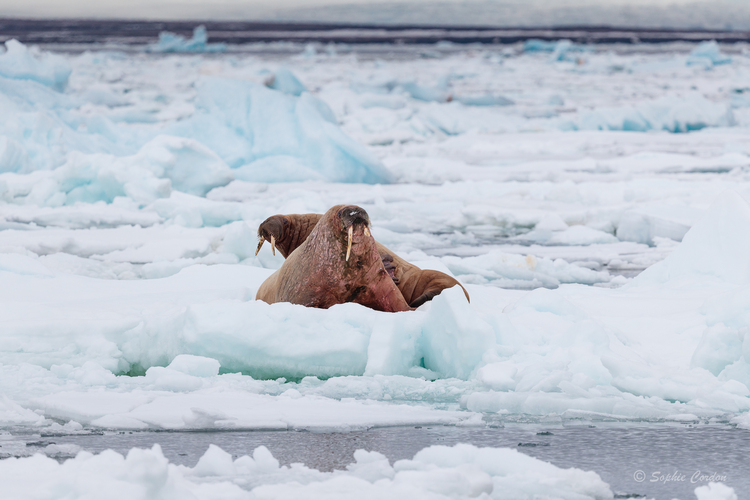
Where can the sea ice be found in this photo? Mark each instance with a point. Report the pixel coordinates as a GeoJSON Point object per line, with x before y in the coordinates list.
{"type": "Point", "coordinates": [707, 54]}
{"type": "Point", "coordinates": [673, 114]}
{"type": "Point", "coordinates": [268, 136]}
{"type": "Point", "coordinates": [21, 63]}
{"type": "Point", "coordinates": [130, 197]}
{"type": "Point", "coordinates": [437, 472]}
{"type": "Point", "coordinates": [715, 491]}
{"type": "Point", "coordinates": [171, 42]}
{"type": "Point", "coordinates": [284, 80]}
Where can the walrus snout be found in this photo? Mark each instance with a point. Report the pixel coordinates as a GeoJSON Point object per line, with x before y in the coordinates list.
{"type": "Point", "coordinates": [352, 215]}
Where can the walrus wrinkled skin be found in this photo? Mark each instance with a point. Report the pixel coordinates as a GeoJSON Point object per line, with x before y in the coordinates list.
{"type": "Point", "coordinates": [288, 232]}
{"type": "Point", "coordinates": [337, 262]}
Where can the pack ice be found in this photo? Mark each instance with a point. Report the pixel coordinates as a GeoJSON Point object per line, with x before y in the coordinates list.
{"type": "Point", "coordinates": [131, 185]}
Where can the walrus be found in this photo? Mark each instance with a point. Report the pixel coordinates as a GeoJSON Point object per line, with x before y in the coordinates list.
{"type": "Point", "coordinates": [337, 262]}
{"type": "Point", "coordinates": [288, 232]}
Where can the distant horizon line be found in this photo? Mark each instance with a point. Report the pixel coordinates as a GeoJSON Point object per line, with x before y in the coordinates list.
{"type": "Point", "coordinates": [328, 25]}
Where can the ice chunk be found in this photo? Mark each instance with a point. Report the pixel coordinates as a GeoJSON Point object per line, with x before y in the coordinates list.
{"type": "Point", "coordinates": [197, 366]}
{"type": "Point", "coordinates": [645, 226]}
{"type": "Point", "coordinates": [714, 247]}
{"type": "Point", "coordinates": [21, 264]}
{"type": "Point", "coordinates": [189, 165]}
{"type": "Point", "coordinates": [707, 54]}
{"type": "Point", "coordinates": [485, 100]}
{"type": "Point", "coordinates": [11, 413]}
{"type": "Point", "coordinates": [581, 235]}
{"type": "Point", "coordinates": [13, 156]}
{"type": "Point", "coordinates": [215, 462]}
{"type": "Point", "coordinates": [561, 49]}
{"type": "Point", "coordinates": [715, 491]}
{"type": "Point", "coordinates": [673, 114]}
{"type": "Point", "coordinates": [239, 240]}
{"type": "Point", "coordinates": [518, 271]}
{"type": "Point", "coordinates": [162, 164]}
{"type": "Point", "coordinates": [21, 63]}
{"type": "Point", "coordinates": [171, 42]}
{"type": "Point", "coordinates": [742, 421]}
{"type": "Point", "coordinates": [193, 211]}
{"type": "Point", "coordinates": [284, 80]}
{"type": "Point", "coordinates": [537, 45]}
{"type": "Point", "coordinates": [719, 346]}
{"type": "Point", "coordinates": [454, 339]}
{"type": "Point", "coordinates": [462, 471]}
{"type": "Point", "coordinates": [425, 93]}
{"type": "Point", "coordinates": [259, 130]}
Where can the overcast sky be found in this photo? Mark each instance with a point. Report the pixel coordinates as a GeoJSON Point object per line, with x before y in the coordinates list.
{"type": "Point", "coordinates": [681, 13]}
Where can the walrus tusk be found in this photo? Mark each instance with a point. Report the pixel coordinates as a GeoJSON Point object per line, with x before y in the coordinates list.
{"type": "Point", "coordinates": [349, 246]}
{"type": "Point", "coordinates": [273, 246]}
{"type": "Point", "coordinates": [260, 244]}
{"type": "Point", "coordinates": [367, 232]}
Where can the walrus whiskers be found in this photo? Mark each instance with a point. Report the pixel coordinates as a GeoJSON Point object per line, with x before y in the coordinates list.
{"type": "Point", "coordinates": [349, 245]}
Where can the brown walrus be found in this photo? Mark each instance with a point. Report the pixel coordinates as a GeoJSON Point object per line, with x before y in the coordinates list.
{"type": "Point", "coordinates": [337, 262]}
{"type": "Point", "coordinates": [287, 232]}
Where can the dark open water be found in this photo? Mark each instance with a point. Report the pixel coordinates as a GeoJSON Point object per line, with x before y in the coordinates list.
{"type": "Point", "coordinates": [130, 32]}
{"type": "Point", "coordinates": [616, 452]}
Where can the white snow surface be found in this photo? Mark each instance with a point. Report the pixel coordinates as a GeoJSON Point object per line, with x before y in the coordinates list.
{"type": "Point", "coordinates": [132, 184]}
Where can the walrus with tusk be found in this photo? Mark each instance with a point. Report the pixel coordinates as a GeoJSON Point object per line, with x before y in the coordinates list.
{"type": "Point", "coordinates": [337, 262]}
{"type": "Point", "coordinates": [288, 233]}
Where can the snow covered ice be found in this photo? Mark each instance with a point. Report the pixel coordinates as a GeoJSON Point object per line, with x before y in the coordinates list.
{"type": "Point", "coordinates": [543, 177]}
{"type": "Point", "coordinates": [438, 472]}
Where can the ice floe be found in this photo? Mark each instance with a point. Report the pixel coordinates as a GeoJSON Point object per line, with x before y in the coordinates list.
{"type": "Point", "coordinates": [131, 187]}
{"type": "Point", "coordinates": [437, 472]}
{"type": "Point", "coordinates": [171, 42]}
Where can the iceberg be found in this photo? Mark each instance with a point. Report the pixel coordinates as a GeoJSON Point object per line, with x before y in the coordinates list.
{"type": "Point", "coordinates": [561, 50]}
{"type": "Point", "coordinates": [707, 54]}
{"type": "Point", "coordinates": [269, 136]}
{"type": "Point", "coordinates": [171, 42]}
{"type": "Point", "coordinates": [22, 63]}
{"type": "Point", "coordinates": [284, 80]}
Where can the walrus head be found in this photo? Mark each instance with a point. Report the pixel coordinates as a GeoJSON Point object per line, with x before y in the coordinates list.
{"type": "Point", "coordinates": [286, 232]}
{"type": "Point", "coordinates": [355, 223]}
